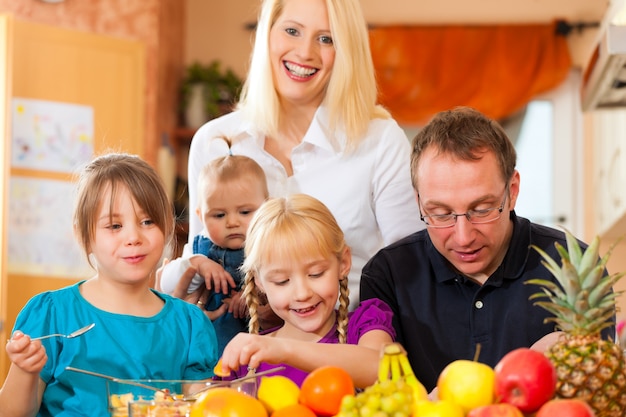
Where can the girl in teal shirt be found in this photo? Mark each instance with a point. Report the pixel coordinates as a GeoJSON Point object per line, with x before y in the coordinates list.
{"type": "Point", "coordinates": [123, 219]}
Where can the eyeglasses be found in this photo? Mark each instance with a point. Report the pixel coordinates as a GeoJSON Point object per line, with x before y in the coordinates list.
{"type": "Point", "coordinates": [440, 221]}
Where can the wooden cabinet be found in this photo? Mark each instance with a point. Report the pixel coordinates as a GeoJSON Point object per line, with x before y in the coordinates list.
{"type": "Point", "coordinates": [43, 62]}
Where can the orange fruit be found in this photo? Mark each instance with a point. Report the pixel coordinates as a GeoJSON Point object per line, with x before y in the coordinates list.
{"type": "Point", "coordinates": [226, 402]}
{"type": "Point", "coordinates": [295, 410]}
{"type": "Point", "coordinates": [324, 388]}
{"type": "Point", "coordinates": [218, 370]}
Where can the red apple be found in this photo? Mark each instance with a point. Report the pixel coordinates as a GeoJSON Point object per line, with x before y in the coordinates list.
{"type": "Point", "coordinates": [565, 408]}
{"type": "Point", "coordinates": [525, 378]}
{"type": "Point", "coordinates": [496, 410]}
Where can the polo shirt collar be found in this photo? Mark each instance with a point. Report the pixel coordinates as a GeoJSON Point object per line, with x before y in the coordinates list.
{"type": "Point", "coordinates": [440, 264]}
{"type": "Point", "coordinates": [514, 263]}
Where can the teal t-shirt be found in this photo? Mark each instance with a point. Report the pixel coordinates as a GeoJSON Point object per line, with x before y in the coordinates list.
{"type": "Point", "coordinates": [177, 343]}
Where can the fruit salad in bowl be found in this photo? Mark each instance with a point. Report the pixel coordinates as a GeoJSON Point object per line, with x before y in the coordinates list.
{"type": "Point", "coordinates": [152, 397]}
{"type": "Point", "coordinates": [164, 398]}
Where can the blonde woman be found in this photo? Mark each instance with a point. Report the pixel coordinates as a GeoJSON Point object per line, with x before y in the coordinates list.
{"type": "Point", "coordinates": [308, 116]}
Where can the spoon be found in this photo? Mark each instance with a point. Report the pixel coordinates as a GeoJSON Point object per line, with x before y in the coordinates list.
{"type": "Point", "coordinates": [189, 397]}
{"type": "Point", "coordinates": [75, 333]}
{"type": "Point", "coordinates": [114, 379]}
{"type": "Point", "coordinates": [250, 375]}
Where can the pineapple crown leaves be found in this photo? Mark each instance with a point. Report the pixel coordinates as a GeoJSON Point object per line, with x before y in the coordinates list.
{"type": "Point", "coordinates": [584, 302]}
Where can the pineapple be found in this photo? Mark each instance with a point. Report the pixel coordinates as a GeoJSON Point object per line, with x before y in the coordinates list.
{"type": "Point", "coordinates": [588, 367]}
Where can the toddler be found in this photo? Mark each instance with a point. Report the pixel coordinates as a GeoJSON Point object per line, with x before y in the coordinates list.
{"type": "Point", "coordinates": [232, 189]}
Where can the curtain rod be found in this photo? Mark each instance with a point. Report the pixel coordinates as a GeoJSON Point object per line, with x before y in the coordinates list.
{"type": "Point", "coordinates": [563, 27]}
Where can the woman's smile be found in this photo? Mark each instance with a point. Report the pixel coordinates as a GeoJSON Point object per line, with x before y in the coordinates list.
{"type": "Point", "coordinates": [299, 71]}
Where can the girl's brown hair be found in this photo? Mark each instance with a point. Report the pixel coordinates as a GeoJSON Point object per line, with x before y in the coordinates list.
{"type": "Point", "coordinates": [119, 170]}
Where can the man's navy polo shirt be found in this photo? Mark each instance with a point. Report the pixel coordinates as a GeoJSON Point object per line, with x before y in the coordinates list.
{"type": "Point", "coordinates": [441, 316]}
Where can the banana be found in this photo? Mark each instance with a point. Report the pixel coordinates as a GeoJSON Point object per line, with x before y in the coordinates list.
{"type": "Point", "coordinates": [406, 366]}
{"type": "Point", "coordinates": [391, 355]}
{"type": "Point", "coordinates": [419, 391]}
{"type": "Point", "coordinates": [394, 365]}
{"type": "Point", "coordinates": [393, 349]}
{"type": "Point", "coordinates": [384, 368]}
{"type": "Point", "coordinates": [396, 372]}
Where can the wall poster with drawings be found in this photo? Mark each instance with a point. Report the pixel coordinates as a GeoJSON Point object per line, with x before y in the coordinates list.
{"type": "Point", "coordinates": [50, 136]}
{"type": "Point", "coordinates": [47, 137]}
{"type": "Point", "coordinates": [41, 239]}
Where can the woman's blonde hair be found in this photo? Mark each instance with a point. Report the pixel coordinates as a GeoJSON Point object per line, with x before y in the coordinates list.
{"type": "Point", "coordinates": [292, 227]}
{"type": "Point", "coordinates": [117, 171]}
{"type": "Point", "coordinates": [351, 95]}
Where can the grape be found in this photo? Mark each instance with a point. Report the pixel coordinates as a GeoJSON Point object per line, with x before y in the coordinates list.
{"type": "Point", "coordinates": [373, 402]}
{"type": "Point", "coordinates": [383, 399]}
{"type": "Point", "coordinates": [348, 402]}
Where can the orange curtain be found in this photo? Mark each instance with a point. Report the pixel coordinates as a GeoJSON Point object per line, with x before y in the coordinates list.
{"type": "Point", "coordinates": [495, 69]}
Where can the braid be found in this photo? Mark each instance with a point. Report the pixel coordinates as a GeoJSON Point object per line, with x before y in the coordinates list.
{"type": "Point", "coordinates": [250, 292]}
{"type": "Point", "coordinates": [342, 315]}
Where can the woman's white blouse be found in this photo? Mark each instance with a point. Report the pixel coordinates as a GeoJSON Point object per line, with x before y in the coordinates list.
{"type": "Point", "coordinates": [368, 190]}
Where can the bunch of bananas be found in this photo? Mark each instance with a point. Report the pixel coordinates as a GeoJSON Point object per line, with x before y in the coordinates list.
{"type": "Point", "coordinates": [394, 393]}
{"type": "Point", "coordinates": [395, 365]}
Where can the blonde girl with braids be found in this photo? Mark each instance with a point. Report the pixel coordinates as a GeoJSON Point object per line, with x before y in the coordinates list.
{"type": "Point", "coordinates": [297, 258]}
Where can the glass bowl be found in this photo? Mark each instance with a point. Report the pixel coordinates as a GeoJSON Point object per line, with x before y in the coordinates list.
{"type": "Point", "coordinates": [144, 408]}
{"type": "Point", "coordinates": [122, 393]}
{"type": "Point", "coordinates": [126, 398]}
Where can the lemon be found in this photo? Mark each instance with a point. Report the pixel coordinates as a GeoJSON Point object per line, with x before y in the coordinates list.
{"type": "Point", "coordinates": [276, 392]}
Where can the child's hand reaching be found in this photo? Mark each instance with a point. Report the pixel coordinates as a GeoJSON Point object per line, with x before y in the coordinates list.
{"type": "Point", "coordinates": [252, 349]}
{"type": "Point", "coordinates": [217, 313]}
{"type": "Point", "coordinates": [216, 278]}
{"type": "Point", "coordinates": [29, 356]}
{"type": "Point", "coordinates": [237, 305]}
{"type": "Point", "coordinates": [239, 309]}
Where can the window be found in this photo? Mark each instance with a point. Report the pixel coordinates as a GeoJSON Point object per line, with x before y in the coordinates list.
{"type": "Point", "coordinates": [534, 162]}
{"type": "Point", "coordinates": [549, 159]}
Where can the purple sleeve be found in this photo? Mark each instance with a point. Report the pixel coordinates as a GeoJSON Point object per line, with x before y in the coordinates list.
{"type": "Point", "coordinates": [372, 314]}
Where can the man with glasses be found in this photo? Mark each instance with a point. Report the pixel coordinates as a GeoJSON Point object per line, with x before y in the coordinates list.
{"type": "Point", "coordinates": [460, 283]}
